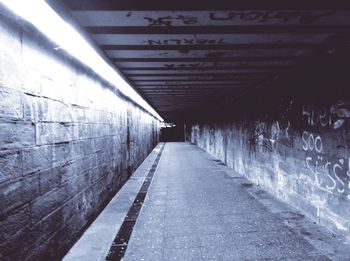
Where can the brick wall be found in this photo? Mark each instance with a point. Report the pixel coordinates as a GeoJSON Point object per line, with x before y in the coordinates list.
{"type": "Point", "coordinates": [67, 143]}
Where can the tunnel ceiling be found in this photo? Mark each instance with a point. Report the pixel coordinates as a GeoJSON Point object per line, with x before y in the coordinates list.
{"type": "Point", "coordinates": [187, 57]}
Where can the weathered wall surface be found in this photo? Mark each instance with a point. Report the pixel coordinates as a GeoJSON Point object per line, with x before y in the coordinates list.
{"type": "Point", "coordinates": [301, 154]}
{"type": "Point", "coordinates": [67, 143]}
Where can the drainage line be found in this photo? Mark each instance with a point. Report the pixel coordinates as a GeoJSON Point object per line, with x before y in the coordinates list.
{"type": "Point", "coordinates": [120, 242]}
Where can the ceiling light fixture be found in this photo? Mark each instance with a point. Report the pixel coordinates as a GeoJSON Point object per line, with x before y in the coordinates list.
{"type": "Point", "coordinates": [46, 20]}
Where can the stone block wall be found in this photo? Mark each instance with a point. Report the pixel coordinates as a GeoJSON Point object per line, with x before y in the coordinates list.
{"type": "Point", "coordinates": [68, 141]}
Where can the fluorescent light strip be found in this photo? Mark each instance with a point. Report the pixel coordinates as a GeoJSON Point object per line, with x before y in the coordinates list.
{"type": "Point", "coordinates": [46, 20]}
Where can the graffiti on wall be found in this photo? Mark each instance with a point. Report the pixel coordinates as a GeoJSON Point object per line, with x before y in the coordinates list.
{"type": "Point", "coordinates": [184, 41]}
{"type": "Point", "coordinates": [328, 168]}
{"type": "Point", "coordinates": [330, 172]}
{"type": "Point", "coordinates": [303, 17]}
{"type": "Point", "coordinates": [183, 65]}
{"type": "Point", "coordinates": [264, 138]}
{"type": "Point", "coordinates": [169, 20]}
{"type": "Point", "coordinates": [322, 117]}
{"type": "Point", "coordinates": [256, 16]}
{"type": "Point", "coordinates": [268, 137]}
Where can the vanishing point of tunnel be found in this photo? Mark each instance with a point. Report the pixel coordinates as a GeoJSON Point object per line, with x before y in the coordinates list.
{"type": "Point", "coordinates": [174, 130]}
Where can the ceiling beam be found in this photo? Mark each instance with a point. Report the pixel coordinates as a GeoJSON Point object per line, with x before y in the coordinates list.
{"type": "Point", "coordinates": [247, 46]}
{"type": "Point", "coordinates": [205, 5]}
{"type": "Point", "coordinates": [200, 76]}
{"type": "Point", "coordinates": [194, 74]}
{"type": "Point", "coordinates": [136, 82]}
{"type": "Point", "coordinates": [210, 59]}
{"type": "Point", "coordinates": [188, 89]}
{"type": "Point", "coordinates": [236, 29]}
{"type": "Point", "coordinates": [206, 68]}
{"type": "Point", "coordinates": [192, 86]}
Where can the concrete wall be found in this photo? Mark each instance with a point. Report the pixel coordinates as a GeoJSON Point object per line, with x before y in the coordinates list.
{"type": "Point", "coordinates": [68, 141]}
{"type": "Point", "coordinates": [298, 148]}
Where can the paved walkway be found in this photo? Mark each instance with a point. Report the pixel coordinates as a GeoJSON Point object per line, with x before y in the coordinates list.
{"type": "Point", "coordinates": [198, 209]}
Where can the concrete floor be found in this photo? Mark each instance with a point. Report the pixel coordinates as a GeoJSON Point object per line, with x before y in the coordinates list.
{"type": "Point", "coordinates": [198, 209]}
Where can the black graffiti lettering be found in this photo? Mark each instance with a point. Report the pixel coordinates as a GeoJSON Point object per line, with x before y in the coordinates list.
{"type": "Point", "coordinates": [160, 21]}
{"type": "Point", "coordinates": [183, 65]}
{"type": "Point", "coordinates": [202, 41]}
{"type": "Point", "coordinates": [267, 16]}
{"type": "Point", "coordinates": [169, 65]}
{"type": "Point", "coordinates": [262, 17]}
{"type": "Point", "coordinates": [256, 16]}
{"type": "Point", "coordinates": [188, 41]}
{"type": "Point", "coordinates": [154, 42]}
{"type": "Point", "coordinates": [191, 65]}
{"type": "Point", "coordinates": [184, 41]}
{"type": "Point", "coordinates": [168, 20]}
{"type": "Point", "coordinates": [224, 17]}
{"type": "Point", "coordinates": [187, 19]}
{"type": "Point", "coordinates": [172, 41]}
{"type": "Point", "coordinates": [195, 65]}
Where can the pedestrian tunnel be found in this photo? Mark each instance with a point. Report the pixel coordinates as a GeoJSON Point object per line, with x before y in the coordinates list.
{"type": "Point", "coordinates": [174, 130]}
